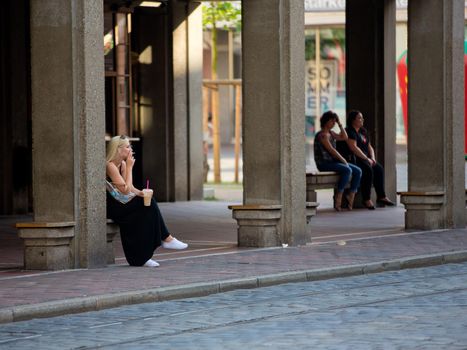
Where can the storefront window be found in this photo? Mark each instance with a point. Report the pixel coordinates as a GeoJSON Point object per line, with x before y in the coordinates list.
{"type": "Point", "coordinates": [327, 87]}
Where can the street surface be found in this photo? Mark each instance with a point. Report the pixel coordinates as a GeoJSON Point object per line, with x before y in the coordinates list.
{"type": "Point", "coordinates": [423, 308]}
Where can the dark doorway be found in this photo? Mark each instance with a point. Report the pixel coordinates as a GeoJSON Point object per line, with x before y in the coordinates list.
{"type": "Point", "coordinates": [15, 109]}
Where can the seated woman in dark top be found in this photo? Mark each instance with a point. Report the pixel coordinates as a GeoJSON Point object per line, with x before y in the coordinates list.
{"type": "Point", "coordinates": [327, 158]}
{"type": "Point", "coordinates": [372, 172]}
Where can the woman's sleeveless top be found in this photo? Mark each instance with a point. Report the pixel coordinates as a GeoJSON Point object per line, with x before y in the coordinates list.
{"type": "Point", "coordinates": [321, 154]}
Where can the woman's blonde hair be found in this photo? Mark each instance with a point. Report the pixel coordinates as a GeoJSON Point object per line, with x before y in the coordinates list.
{"type": "Point", "coordinates": [114, 144]}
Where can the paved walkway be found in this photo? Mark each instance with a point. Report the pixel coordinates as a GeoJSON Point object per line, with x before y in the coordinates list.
{"type": "Point", "coordinates": [347, 243]}
{"type": "Point", "coordinates": [391, 310]}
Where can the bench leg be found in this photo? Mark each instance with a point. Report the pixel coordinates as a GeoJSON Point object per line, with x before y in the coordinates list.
{"type": "Point", "coordinates": [311, 196]}
{"type": "Point", "coordinates": [112, 231]}
{"type": "Point", "coordinates": [47, 248]}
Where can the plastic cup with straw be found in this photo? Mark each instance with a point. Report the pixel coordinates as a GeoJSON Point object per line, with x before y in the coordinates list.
{"type": "Point", "coordinates": [147, 194]}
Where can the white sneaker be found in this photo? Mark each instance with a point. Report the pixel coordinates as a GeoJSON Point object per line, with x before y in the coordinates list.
{"type": "Point", "coordinates": [174, 244]}
{"type": "Point", "coordinates": [151, 263]}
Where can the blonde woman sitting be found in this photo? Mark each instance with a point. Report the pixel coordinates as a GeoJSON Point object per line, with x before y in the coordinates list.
{"type": "Point", "coordinates": [142, 228]}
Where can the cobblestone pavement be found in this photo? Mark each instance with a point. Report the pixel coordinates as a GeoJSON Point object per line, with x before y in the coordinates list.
{"type": "Point", "coordinates": [421, 308]}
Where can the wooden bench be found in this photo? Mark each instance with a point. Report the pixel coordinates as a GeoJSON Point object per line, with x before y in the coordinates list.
{"type": "Point", "coordinates": [310, 208]}
{"type": "Point", "coordinates": [317, 180]}
{"type": "Point", "coordinates": [423, 209]}
{"type": "Point", "coordinates": [422, 200]}
{"type": "Point", "coordinates": [432, 197]}
{"type": "Point", "coordinates": [257, 224]}
{"type": "Point", "coordinates": [47, 245]}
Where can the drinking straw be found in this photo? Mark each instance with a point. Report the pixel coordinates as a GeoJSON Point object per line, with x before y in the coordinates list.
{"type": "Point", "coordinates": [147, 184]}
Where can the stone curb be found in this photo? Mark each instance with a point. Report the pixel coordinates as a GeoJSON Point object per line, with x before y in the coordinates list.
{"type": "Point", "coordinates": [106, 301]}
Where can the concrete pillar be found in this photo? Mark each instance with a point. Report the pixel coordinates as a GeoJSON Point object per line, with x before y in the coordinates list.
{"type": "Point", "coordinates": [371, 76]}
{"type": "Point", "coordinates": [436, 195]}
{"type": "Point", "coordinates": [180, 99]}
{"type": "Point", "coordinates": [195, 100]}
{"type": "Point", "coordinates": [273, 110]}
{"type": "Point", "coordinates": [67, 88]}
{"type": "Point", "coordinates": [187, 109]}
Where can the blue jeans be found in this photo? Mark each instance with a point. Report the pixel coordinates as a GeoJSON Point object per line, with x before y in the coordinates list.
{"type": "Point", "coordinates": [346, 171]}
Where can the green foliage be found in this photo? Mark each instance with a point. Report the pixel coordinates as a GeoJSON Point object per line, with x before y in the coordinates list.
{"type": "Point", "coordinates": [329, 37]}
{"type": "Point", "coordinates": [222, 15]}
{"type": "Point", "coordinates": [309, 47]}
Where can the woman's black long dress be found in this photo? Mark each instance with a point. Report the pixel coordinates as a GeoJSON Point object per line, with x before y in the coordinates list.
{"type": "Point", "coordinates": [142, 229]}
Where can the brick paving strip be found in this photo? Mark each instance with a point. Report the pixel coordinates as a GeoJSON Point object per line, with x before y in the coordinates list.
{"type": "Point", "coordinates": [73, 291]}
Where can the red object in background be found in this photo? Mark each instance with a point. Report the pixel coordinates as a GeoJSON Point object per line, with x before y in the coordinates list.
{"type": "Point", "coordinates": [402, 75]}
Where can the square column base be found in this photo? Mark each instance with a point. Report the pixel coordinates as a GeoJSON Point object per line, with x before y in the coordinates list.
{"type": "Point", "coordinates": [423, 210]}
{"type": "Point", "coordinates": [257, 225]}
{"type": "Point", "coordinates": [47, 246]}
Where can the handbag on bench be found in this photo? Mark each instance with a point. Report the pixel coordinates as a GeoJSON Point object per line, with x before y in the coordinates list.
{"type": "Point", "coordinates": [117, 195]}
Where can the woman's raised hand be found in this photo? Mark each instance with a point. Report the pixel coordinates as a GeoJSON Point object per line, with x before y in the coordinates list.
{"type": "Point", "coordinates": [130, 161]}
